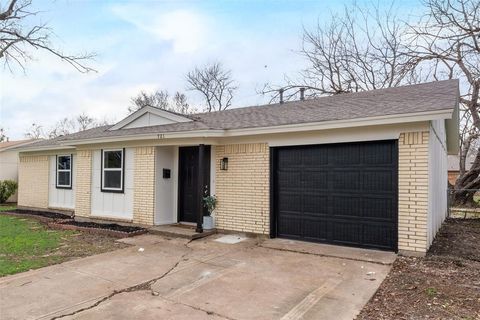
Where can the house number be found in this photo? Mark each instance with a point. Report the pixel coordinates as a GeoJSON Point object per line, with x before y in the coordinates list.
{"type": "Point", "coordinates": [160, 136]}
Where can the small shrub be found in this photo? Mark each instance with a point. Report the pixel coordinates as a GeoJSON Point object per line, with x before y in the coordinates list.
{"type": "Point", "coordinates": [7, 189]}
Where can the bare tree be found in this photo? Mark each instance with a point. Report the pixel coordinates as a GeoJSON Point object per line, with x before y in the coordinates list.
{"type": "Point", "coordinates": [447, 42]}
{"type": "Point", "coordinates": [3, 135]}
{"type": "Point", "coordinates": [85, 122]}
{"type": "Point", "coordinates": [35, 132]}
{"type": "Point", "coordinates": [64, 126]}
{"type": "Point", "coordinates": [162, 100]}
{"type": "Point", "coordinates": [157, 99]}
{"type": "Point", "coordinates": [215, 84]}
{"type": "Point", "coordinates": [78, 123]}
{"type": "Point", "coordinates": [20, 33]}
{"type": "Point", "coordinates": [365, 50]}
{"type": "Point", "coordinates": [357, 51]}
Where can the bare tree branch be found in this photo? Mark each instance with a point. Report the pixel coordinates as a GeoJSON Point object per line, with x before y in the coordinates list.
{"type": "Point", "coordinates": [18, 36]}
{"type": "Point", "coordinates": [162, 100]}
{"type": "Point", "coordinates": [215, 85]}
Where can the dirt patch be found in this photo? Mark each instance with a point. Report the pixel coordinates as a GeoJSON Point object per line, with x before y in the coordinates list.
{"type": "Point", "coordinates": [443, 285]}
{"type": "Point", "coordinates": [83, 244]}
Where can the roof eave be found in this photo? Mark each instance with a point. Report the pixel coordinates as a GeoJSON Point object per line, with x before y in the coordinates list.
{"type": "Point", "coordinates": [220, 133]}
{"type": "Point", "coordinates": [44, 148]}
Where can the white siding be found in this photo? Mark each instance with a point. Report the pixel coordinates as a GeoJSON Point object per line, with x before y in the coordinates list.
{"type": "Point", "coordinates": [165, 194]}
{"type": "Point", "coordinates": [148, 119]}
{"type": "Point", "coordinates": [9, 169]}
{"type": "Point", "coordinates": [60, 198]}
{"type": "Point", "coordinates": [437, 178]}
{"type": "Point", "coordinates": [109, 204]}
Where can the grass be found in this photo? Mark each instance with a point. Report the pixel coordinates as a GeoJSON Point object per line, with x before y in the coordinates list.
{"type": "Point", "coordinates": [7, 207]}
{"type": "Point", "coordinates": [26, 244]}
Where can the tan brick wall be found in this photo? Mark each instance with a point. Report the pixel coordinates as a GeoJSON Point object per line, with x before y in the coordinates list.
{"type": "Point", "coordinates": [144, 186]}
{"type": "Point", "coordinates": [83, 185]}
{"type": "Point", "coordinates": [243, 190]}
{"type": "Point", "coordinates": [413, 191]}
{"type": "Point", "coordinates": [33, 181]}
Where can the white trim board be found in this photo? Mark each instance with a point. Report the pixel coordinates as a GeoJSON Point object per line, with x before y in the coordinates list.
{"type": "Point", "coordinates": [168, 116]}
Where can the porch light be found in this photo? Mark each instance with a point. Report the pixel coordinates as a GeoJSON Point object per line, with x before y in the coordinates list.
{"type": "Point", "coordinates": [224, 164]}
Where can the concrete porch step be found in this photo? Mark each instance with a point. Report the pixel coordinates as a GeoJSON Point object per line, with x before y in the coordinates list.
{"type": "Point", "coordinates": [180, 231]}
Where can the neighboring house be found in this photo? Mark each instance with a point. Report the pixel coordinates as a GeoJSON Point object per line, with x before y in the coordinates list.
{"type": "Point", "coordinates": [362, 169]}
{"type": "Point", "coordinates": [9, 162]}
{"type": "Point", "coordinates": [454, 167]}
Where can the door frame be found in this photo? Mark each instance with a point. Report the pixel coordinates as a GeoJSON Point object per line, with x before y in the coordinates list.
{"type": "Point", "coordinates": [206, 173]}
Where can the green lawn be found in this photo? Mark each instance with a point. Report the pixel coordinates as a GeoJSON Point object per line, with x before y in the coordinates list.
{"type": "Point", "coordinates": [7, 207]}
{"type": "Point", "coordinates": [26, 244]}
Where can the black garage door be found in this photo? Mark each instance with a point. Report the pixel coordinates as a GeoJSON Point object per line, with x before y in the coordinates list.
{"type": "Point", "coordinates": [336, 193]}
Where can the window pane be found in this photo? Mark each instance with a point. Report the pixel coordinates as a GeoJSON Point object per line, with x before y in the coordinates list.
{"type": "Point", "coordinates": [112, 179]}
{"type": "Point", "coordinates": [64, 178]}
{"type": "Point", "coordinates": [64, 162]}
{"type": "Point", "coordinates": [112, 159]}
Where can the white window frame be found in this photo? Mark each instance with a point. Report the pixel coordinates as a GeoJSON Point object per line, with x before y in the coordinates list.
{"type": "Point", "coordinates": [121, 170]}
{"type": "Point", "coordinates": [58, 185]}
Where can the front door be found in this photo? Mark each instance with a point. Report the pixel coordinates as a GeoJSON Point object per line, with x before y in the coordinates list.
{"type": "Point", "coordinates": [188, 195]}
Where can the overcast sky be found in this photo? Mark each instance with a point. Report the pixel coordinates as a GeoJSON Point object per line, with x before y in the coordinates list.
{"type": "Point", "coordinates": [151, 45]}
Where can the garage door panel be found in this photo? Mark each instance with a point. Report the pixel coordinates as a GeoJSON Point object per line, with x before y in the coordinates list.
{"type": "Point", "coordinates": [288, 159]}
{"type": "Point", "coordinates": [288, 201]}
{"type": "Point", "coordinates": [379, 208]}
{"type": "Point", "coordinates": [379, 180]}
{"type": "Point", "coordinates": [314, 179]}
{"type": "Point", "coordinates": [314, 157]}
{"type": "Point", "coordinates": [347, 206]}
{"type": "Point", "coordinates": [378, 235]}
{"type": "Point", "coordinates": [290, 225]}
{"type": "Point", "coordinates": [346, 232]}
{"type": "Point", "coordinates": [345, 180]}
{"type": "Point", "coordinates": [316, 230]}
{"type": "Point", "coordinates": [289, 179]}
{"type": "Point", "coordinates": [343, 154]}
{"type": "Point", "coordinates": [316, 205]}
{"type": "Point", "coordinates": [338, 193]}
{"type": "Point", "coordinates": [378, 154]}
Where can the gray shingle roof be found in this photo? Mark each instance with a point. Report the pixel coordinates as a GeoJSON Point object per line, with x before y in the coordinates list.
{"type": "Point", "coordinates": [432, 96]}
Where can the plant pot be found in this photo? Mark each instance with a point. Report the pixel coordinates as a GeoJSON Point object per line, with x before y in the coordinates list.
{"type": "Point", "coordinates": [208, 222]}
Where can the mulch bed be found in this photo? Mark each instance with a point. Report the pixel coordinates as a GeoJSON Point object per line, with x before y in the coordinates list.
{"type": "Point", "coordinates": [41, 215]}
{"type": "Point", "coordinates": [111, 229]}
{"type": "Point", "coordinates": [65, 222]}
{"type": "Point", "coordinates": [443, 285]}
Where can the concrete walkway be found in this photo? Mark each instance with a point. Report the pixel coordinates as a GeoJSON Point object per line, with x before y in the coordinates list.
{"type": "Point", "coordinates": [204, 279]}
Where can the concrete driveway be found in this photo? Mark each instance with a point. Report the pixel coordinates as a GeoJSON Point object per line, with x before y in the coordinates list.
{"type": "Point", "coordinates": [204, 279]}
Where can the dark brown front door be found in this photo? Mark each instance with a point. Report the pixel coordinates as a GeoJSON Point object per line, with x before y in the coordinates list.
{"type": "Point", "coordinates": [189, 193]}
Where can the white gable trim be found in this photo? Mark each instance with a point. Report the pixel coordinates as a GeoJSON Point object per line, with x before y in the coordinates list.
{"type": "Point", "coordinates": [156, 111]}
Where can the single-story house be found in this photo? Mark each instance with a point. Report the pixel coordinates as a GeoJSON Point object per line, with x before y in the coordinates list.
{"type": "Point", "coordinates": [9, 161]}
{"type": "Point", "coordinates": [361, 169]}
{"type": "Point", "coordinates": [454, 167]}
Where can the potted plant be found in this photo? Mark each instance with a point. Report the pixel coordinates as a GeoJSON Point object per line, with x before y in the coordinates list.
{"type": "Point", "coordinates": [210, 202]}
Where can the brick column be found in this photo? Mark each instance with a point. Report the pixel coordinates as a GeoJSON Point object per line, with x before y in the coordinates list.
{"type": "Point", "coordinates": [144, 186]}
{"type": "Point", "coordinates": [243, 190]}
{"type": "Point", "coordinates": [83, 184]}
{"type": "Point", "coordinates": [413, 192]}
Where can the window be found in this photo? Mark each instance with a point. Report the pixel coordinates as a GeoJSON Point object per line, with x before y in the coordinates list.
{"type": "Point", "coordinates": [112, 170]}
{"type": "Point", "coordinates": [64, 172]}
